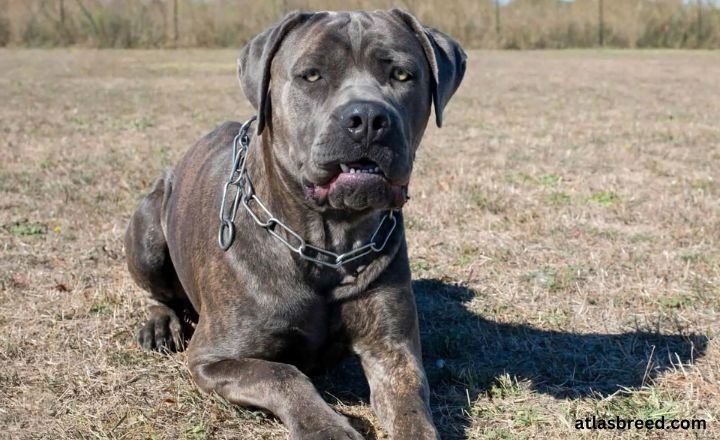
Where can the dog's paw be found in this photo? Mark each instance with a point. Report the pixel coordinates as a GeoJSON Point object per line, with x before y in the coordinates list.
{"type": "Point", "coordinates": [162, 332]}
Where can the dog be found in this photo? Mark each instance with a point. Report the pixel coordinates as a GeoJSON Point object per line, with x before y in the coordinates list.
{"type": "Point", "coordinates": [312, 262]}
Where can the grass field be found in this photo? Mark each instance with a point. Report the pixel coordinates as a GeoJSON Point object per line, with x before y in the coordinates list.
{"type": "Point", "coordinates": [564, 232]}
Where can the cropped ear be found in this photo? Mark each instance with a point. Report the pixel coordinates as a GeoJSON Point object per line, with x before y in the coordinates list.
{"type": "Point", "coordinates": [255, 60]}
{"type": "Point", "coordinates": [446, 58]}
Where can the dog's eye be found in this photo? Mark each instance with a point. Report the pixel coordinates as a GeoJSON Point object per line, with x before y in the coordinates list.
{"type": "Point", "coordinates": [311, 76]}
{"type": "Point", "coordinates": [400, 74]}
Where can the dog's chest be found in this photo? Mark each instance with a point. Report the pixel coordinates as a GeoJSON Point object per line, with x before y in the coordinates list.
{"type": "Point", "coordinates": [297, 328]}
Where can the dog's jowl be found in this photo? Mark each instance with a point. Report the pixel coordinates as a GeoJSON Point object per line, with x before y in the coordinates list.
{"type": "Point", "coordinates": [306, 201]}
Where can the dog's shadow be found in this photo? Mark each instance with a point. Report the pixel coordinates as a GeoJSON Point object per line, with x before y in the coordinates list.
{"type": "Point", "coordinates": [465, 355]}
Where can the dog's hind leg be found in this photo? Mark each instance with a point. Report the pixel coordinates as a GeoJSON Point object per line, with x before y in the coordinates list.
{"type": "Point", "coordinates": [148, 258]}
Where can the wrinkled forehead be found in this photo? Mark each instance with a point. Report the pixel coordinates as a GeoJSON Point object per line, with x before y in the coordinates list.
{"type": "Point", "coordinates": [355, 35]}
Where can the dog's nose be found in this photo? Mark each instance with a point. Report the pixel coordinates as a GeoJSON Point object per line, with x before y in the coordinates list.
{"type": "Point", "coordinates": [365, 121]}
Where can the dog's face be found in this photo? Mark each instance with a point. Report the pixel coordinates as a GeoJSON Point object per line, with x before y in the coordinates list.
{"type": "Point", "coordinates": [347, 101]}
{"type": "Point", "coordinates": [353, 91]}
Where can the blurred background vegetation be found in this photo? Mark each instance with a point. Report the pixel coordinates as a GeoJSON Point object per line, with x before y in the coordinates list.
{"type": "Point", "coordinates": [505, 24]}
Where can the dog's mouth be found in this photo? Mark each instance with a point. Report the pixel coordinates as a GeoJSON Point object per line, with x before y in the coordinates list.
{"type": "Point", "coordinates": [358, 185]}
{"type": "Point", "coordinates": [357, 174]}
{"type": "Point", "coordinates": [365, 166]}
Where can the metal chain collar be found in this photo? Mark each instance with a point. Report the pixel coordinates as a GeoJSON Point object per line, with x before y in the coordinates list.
{"type": "Point", "coordinates": [240, 181]}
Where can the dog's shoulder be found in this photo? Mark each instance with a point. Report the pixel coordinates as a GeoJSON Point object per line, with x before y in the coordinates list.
{"type": "Point", "coordinates": [223, 134]}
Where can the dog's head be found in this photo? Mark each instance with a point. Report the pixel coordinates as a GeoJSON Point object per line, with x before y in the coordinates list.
{"type": "Point", "coordinates": [346, 97]}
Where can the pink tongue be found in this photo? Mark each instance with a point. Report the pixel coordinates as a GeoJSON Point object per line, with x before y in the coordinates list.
{"type": "Point", "coordinates": [399, 192]}
{"type": "Point", "coordinates": [353, 177]}
{"type": "Point", "coordinates": [323, 190]}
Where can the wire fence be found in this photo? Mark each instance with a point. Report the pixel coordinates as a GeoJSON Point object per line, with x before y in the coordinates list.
{"type": "Point", "coordinates": [505, 24]}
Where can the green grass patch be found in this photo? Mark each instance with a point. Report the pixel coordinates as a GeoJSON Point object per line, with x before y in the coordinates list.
{"type": "Point", "coordinates": [504, 386]}
{"type": "Point", "coordinates": [25, 228]}
{"type": "Point", "coordinates": [642, 237]}
{"type": "Point", "coordinates": [468, 254]}
{"type": "Point", "coordinates": [46, 164]}
{"type": "Point", "coordinates": [692, 256]}
{"type": "Point", "coordinates": [647, 403]}
{"type": "Point", "coordinates": [197, 431]}
{"type": "Point", "coordinates": [418, 265]}
{"type": "Point", "coordinates": [492, 204]}
{"type": "Point", "coordinates": [551, 179]}
{"type": "Point", "coordinates": [101, 309]}
{"type": "Point", "coordinates": [555, 319]}
{"type": "Point", "coordinates": [555, 279]}
{"type": "Point", "coordinates": [681, 301]}
{"type": "Point", "coordinates": [547, 180]}
{"type": "Point", "coordinates": [141, 123]}
{"type": "Point", "coordinates": [604, 198]}
{"type": "Point", "coordinates": [527, 416]}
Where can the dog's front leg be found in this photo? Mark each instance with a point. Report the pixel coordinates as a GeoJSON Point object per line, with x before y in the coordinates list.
{"type": "Point", "coordinates": [399, 391]}
{"type": "Point", "coordinates": [279, 388]}
{"type": "Point", "coordinates": [387, 341]}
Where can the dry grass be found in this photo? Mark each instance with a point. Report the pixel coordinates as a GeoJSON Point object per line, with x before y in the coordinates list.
{"type": "Point", "coordinates": [523, 24]}
{"type": "Point", "coordinates": [564, 233]}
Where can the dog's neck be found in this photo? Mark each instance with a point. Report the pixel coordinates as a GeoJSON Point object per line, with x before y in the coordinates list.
{"type": "Point", "coordinates": [284, 197]}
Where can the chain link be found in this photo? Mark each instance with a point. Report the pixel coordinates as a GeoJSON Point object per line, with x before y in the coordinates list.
{"type": "Point", "coordinates": [244, 195]}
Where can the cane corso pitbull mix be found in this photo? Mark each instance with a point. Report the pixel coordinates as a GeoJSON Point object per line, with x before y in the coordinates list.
{"type": "Point", "coordinates": [342, 100]}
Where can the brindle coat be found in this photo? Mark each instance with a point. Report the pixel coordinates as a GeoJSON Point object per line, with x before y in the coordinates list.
{"type": "Point", "coordinates": [330, 88]}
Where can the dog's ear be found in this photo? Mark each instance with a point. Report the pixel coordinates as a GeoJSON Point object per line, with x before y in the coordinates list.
{"type": "Point", "coordinates": [255, 60]}
{"type": "Point", "coordinates": [445, 56]}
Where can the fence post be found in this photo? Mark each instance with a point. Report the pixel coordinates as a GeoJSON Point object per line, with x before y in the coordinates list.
{"type": "Point", "coordinates": [700, 22]}
{"type": "Point", "coordinates": [176, 34]}
{"type": "Point", "coordinates": [601, 23]}
{"type": "Point", "coordinates": [497, 19]}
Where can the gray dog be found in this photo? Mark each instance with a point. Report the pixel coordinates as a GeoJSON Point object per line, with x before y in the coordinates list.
{"type": "Point", "coordinates": [318, 267]}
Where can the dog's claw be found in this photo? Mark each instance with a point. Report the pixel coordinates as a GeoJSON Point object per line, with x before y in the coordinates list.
{"type": "Point", "coordinates": [162, 332]}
